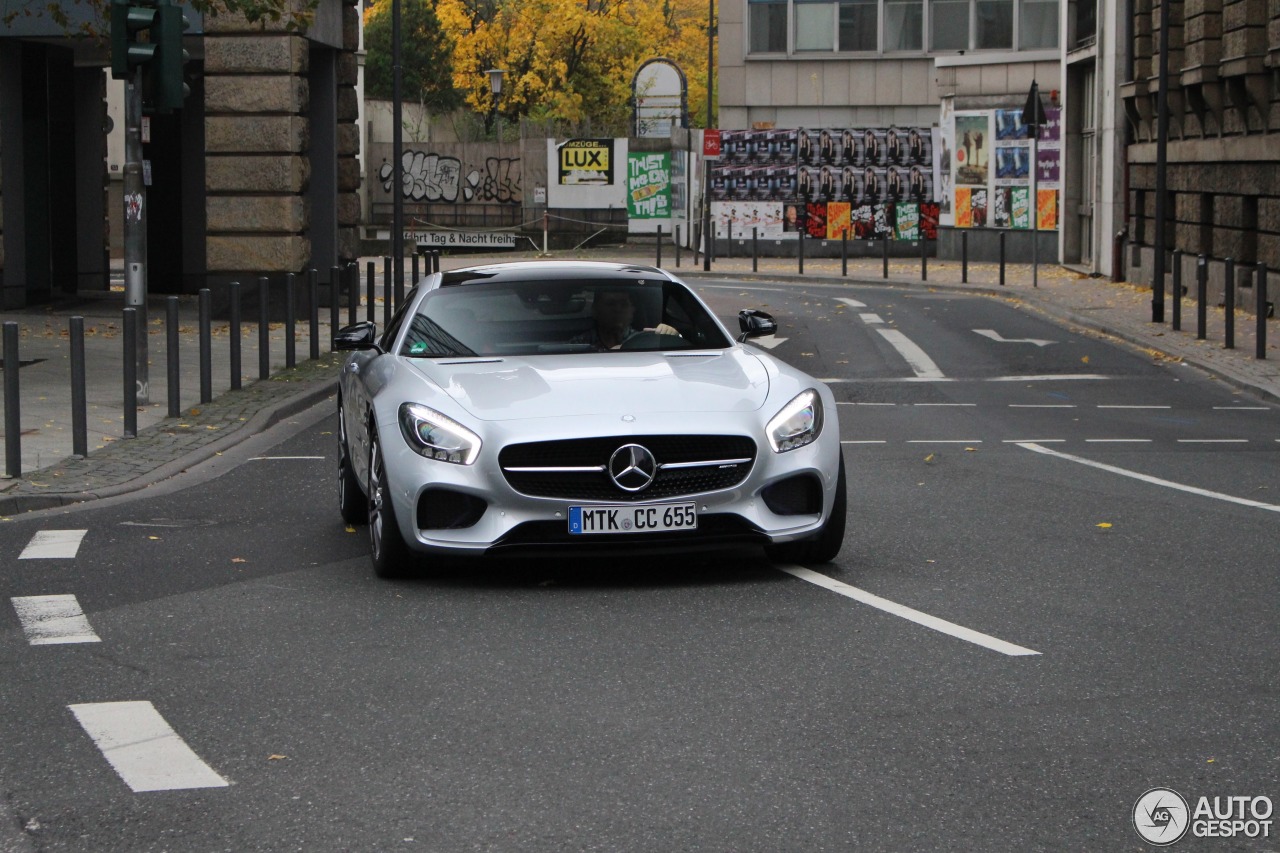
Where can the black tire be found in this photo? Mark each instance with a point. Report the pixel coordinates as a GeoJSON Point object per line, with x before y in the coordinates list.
{"type": "Point", "coordinates": [825, 545]}
{"type": "Point", "coordinates": [391, 556]}
{"type": "Point", "coordinates": [352, 502]}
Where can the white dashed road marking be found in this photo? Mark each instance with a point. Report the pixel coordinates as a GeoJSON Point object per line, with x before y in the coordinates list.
{"type": "Point", "coordinates": [53, 619]}
{"type": "Point", "coordinates": [143, 748]}
{"type": "Point", "coordinates": [884, 604]}
{"type": "Point", "coordinates": [53, 544]}
{"type": "Point", "coordinates": [920, 364]}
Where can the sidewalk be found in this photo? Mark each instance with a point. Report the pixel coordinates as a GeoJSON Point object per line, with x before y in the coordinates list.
{"type": "Point", "coordinates": [164, 446]}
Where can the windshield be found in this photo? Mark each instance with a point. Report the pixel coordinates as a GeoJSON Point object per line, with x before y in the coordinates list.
{"type": "Point", "coordinates": [556, 316]}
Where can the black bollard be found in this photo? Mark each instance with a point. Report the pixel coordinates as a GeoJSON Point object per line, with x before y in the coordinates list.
{"type": "Point", "coordinates": [79, 398]}
{"type": "Point", "coordinates": [677, 247]}
{"type": "Point", "coordinates": [12, 421]}
{"type": "Point", "coordinates": [659, 242]}
{"type": "Point", "coordinates": [1260, 290]}
{"type": "Point", "coordinates": [800, 250]}
{"type": "Point", "coordinates": [1202, 295]}
{"type": "Point", "coordinates": [755, 249]}
{"type": "Point", "coordinates": [264, 327]}
{"type": "Point", "coordinates": [370, 276]}
{"type": "Point", "coordinates": [313, 294]}
{"type": "Point", "coordinates": [924, 257]}
{"type": "Point", "coordinates": [130, 408]}
{"type": "Point", "coordinates": [1002, 234]}
{"type": "Point", "coordinates": [335, 316]}
{"type": "Point", "coordinates": [387, 294]}
{"type": "Point", "coordinates": [1229, 306]}
{"type": "Point", "coordinates": [844, 253]}
{"type": "Point", "coordinates": [964, 257]}
{"type": "Point", "coordinates": [1176, 317]}
{"type": "Point", "coordinates": [414, 280]}
{"type": "Point", "coordinates": [290, 345]}
{"type": "Point", "coordinates": [171, 355]}
{"type": "Point", "coordinates": [884, 251]}
{"type": "Point", "coordinates": [351, 277]}
{"type": "Point", "coordinates": [233, 331]}
{"type": "Point", "coordinates": [206, 345]}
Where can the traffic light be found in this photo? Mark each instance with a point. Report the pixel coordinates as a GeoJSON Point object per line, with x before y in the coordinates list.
{"type": "Point", "coordinates": [131, 42]}
{"type": "Point", "coordinates": [169, 90]}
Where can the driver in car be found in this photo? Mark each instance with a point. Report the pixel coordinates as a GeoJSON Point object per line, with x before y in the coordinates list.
{"type": "Point", "coordinates": [612, 312]}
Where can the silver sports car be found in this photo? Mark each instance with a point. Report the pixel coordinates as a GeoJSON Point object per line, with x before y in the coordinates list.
{"type": "Point", "coordinates": [580, 407]}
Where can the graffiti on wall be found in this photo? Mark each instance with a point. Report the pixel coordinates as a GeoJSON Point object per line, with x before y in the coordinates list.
{"type": "Point", "coordinates": [432, 177]}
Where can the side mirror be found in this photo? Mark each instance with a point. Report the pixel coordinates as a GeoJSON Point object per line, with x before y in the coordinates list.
{"type": "Point", "coordinates": [755, 324]}
{"type": "Point", "coordinates": [357, 337]}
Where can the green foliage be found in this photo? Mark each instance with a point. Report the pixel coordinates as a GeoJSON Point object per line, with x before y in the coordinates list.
{"type": "Point", "coordinates": [426, 56]}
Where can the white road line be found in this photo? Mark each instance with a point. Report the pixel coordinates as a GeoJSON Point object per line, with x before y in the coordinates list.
{"type": "Point", "coordinates": [944, 441]}
{"type": "Point", "coordinates": [1242, 408]}
{"type": "Point", "coordinates": [1213, 441]}
{"type": "Point", "coordinates": [920, 363]}
{"type": "Point", "coordinates": [53, 544]}
{"type": "Point", "coordinates": [1117, 441]}
{"type": "Point", "coordinates": [1042, 405]}
{"type": "Point", "coordinates": [53, 619]}
{"type": "Point", "coordinates": [1034, 441]}
{"type": "Point", "coordinates": [852, 303]}
{"type": "Point", "coordinates": [841, 403]}
{"type": "Point", "coordinates": [872, 319]}
{"type": "Point", "coordinates": [868, 441]}
{"type": "Point", "coordinates": [884, 604]}
{"type": "Point", "coordinates": [285, 458]}
{"type": "Point", "coordinates": [142, 748]}
{"type": "Point", "coordinates": [1102, 466]}
{"type": "Point", "coordinates": [1134, 407]}
{"type": "Point", "coordinates": [942, 404]}
{"type": "Point", "coordinates": [1048, 377]}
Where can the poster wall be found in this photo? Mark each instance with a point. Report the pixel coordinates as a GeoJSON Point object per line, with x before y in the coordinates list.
{"type": "Point", "coordinates": [991, 169]}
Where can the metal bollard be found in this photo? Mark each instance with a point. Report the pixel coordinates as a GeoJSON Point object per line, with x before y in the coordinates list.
{"type": "Point", "coordinates": [755, 249]}
{"type": "Point", "coordinates": [1229, 306]}
{"type": "Point", "coordinates": [844, 252]}
{"type": "Point", "coordinates": [1176, 317]}
{"type": "Point", "coordinates": [1002, 234]}
{"type": "Point", "coordinates": [800, 249]}
{"type": "Point", "coordinates": [370, 277]}
{"type": "Point", "coordinates": [335, 315]}
{"type": "Point", "coordinates": [1202, 295]}
{"type": "Point", "coordinates": [79, 397]}
{"type": "Point", "coordinates": [1260, 290]}
{"type": "Point", "coordinates": [414, 280]}
{"type": "Point", "coordinates": [171, 355]}
{"type": "Point", "coordinates": [313, 294]}
{"type": "Point", "coordinates": [386, 292]}
{"type": "Point", "coordinates": [206, 345]}
{"type": "Point", "coordinates": [351, 275]}
{"type": "Point", "coordinates": [130, 409]}
{"type": "Point", "coordinates": [234, 333]}
{"type": "Point", "coordinates": [964, 257]}
{"type": "Point", "coordinates": [264, 327]}
{"type": "Point", "coordinates": [924, 257]}
{"type": "Point", "coordinates": [12, 421]}
{"type": "Point", "coordinates": [659, 242]}
{"type": "Point", "coordinates": [677, 247]}
{"type": "Point", "coordinates": [290, 345]}
{"type": "Point", "coordinates": [884, 250]}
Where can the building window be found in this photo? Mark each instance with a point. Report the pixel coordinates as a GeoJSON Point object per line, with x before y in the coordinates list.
{"type": "Point", "coordinates": [767, 25]}
{"type": "Point", "coordinates": [995, 25]}
{"type": "Point", "coordinates": [815, 26]}
{"type": "Point", "coordinates": [903, 25]}
{"type": "Point", "coordinates": [859, 25]}
{"type": "Point", "coordinates": [949, 25]}
{"type": "Point", "coordinates": [1037, 24]}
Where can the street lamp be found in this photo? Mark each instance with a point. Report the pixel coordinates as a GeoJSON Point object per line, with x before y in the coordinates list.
{"type": "Point", "coordinates": [495, 85]}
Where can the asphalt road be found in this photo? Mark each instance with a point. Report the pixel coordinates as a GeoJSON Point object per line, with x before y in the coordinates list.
{"type": "Point", "coordinates": [1057, 592]}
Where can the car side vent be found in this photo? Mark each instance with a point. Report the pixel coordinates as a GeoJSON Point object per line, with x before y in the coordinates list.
{"type": "Point", "coordinates": [445, 509]}
{"type": "Point", "coordinates": [798, 495]}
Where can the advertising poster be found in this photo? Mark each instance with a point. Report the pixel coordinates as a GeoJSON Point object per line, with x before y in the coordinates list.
{"type": "Point", "coordinates": [907, 221]}
{"type": "Point", "coordinates": [791, 218]}
{"type": "Point", "coordinates": [1001, 211]}
{"type": "Point", "coordinates": [586, 162]}
{"type": "Point", "coordinates": [971, 153]}
{"type": "Point", "coordinates": [838, 219]}
{"type": "Point", "coordinates": [943, 143]}
{"type": "Point", "coordinates": [1020, 207]}
{"type": "Point", "coordinates": [929, 220]}
{"type": "Point", "coordinates": [1048, 219]}
{"type": "Point", "coordinates": [864, 226]}
{"type": "Point", "coordinates": [817, 221]}
{"type": "Point", "coordinates": [883, 218]}
{"type": "Point", "coordinates": [964, 210]}
{"type": "Point", "coordinates": [649, 185]}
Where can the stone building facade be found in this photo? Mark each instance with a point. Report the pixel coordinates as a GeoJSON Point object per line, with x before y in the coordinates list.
{"type": "Point", "coordinates": [1223, 149]}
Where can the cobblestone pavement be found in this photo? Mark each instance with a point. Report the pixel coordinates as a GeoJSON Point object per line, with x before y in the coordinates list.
{"type": "Point", "coordinates": [165, 446]}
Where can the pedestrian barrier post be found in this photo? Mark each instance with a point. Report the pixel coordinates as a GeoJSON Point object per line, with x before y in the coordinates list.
{"type": "Point", "coordinates": [1260, 290]}
{"type": "Point", "coordinates": [171, 355]}
{"type": "Point", "coordinates": [130, 372]}
{"type": "Point", "coordinates": [351, 275]}
{"type": "Point", "coordinates": [844, 252]}
{"type": "Point", "coordinates": [924, 258]}
{"type": "Point", "coordinates": [79, 397]}
{"type": "Point", "coordinates": [386, 292]}
{"type": "Point", "coordinates": [1176, 318]}
{"type": "Point", "coordinates": [1202, 295]}
{"type": "Point", "coordinates": [659, 241]}
{"type": "Point", "coordinates": [1002, 233]}
{"type": "Point", "coordinates": [234, 336]}
{"type": "Point", "coordinates": [884, 251]}
{"type": "Point", "coordinates": [677, 247]}
{"type": "Point", "coordinates": [290, 345]}
{"type": "Point", "coordinates": [964, 257]}
{"type": "Point", "coordinates": [12, 420]}
{"type": "Point", "coordinates": [370, 274]}
{"type": "Point", "coordinates": [755, 249]}
{"type": "Point", "coordinates": [414, 280]}
{"type": "Point", "coordinates": [206, 345]}
{"type": "Point", "coordinates": [1229, 306]}
{"type": "Point", "coordinates": [313, 293]}
{"type": "Point", "coordinates": [800, 251]}
{"type": "Point", "coordinates": [264, 327]}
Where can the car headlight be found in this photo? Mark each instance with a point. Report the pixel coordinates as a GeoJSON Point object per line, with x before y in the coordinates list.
{"type": "Point", "coordinates": [799, 423]}
{"type": "Point", "coordinates": [436, 436]}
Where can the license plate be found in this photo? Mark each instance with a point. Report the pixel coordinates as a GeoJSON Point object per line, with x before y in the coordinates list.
{"type": "Point", "coordinates": [632, 519]}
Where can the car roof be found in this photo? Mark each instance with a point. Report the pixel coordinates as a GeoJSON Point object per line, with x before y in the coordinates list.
{"type": "Point", "coordinates": [551, 270]}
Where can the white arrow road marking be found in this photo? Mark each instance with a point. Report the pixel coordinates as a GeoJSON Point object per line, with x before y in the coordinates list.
{"type": "Point", "coordinates": [53, 544]}
{"type": "Point", "coordinates": [919, 362]}
{"type": "Point", "coordinates": [1102, 466]}
{"type": "Point", "coordinates": [996, 336]}
{"type": "Point", "coordinates": [770, 342]}
{"type": "Point", "coordinates": [52, 619]}
{"type": "Point", "coordinates": [950, 628]}
{"type": "Point", "coordinates": [142, 748]}
{"type": "Point", "coordinates": [852, 303]}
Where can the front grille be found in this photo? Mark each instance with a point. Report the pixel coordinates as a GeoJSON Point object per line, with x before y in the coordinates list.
{"type": "Point", "coordinates": [596, 485]}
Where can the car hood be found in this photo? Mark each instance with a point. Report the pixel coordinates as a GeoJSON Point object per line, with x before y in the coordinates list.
{"type": "Point", "coordinates": [556, 386]}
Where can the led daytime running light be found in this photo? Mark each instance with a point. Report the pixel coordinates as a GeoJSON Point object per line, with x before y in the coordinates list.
{"type": "Point", "coordinates": [438, 436]}
{"type": "Point", "coordinates": [799, 423]}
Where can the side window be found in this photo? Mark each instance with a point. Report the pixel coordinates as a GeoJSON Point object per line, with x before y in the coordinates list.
{"type": "Point", "coordinates": [397, 320]}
